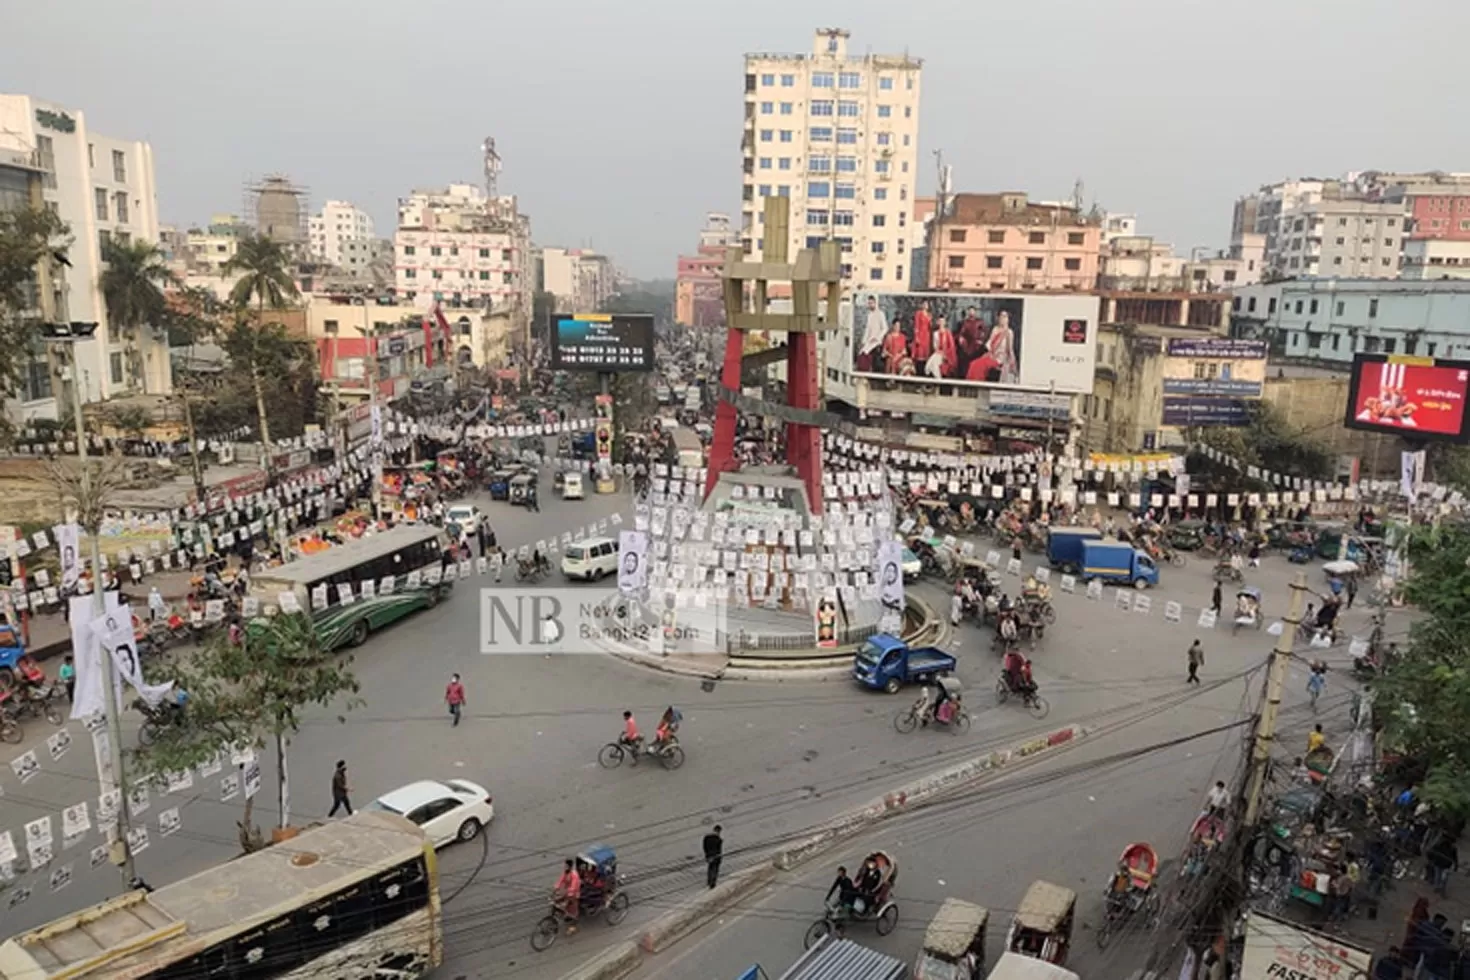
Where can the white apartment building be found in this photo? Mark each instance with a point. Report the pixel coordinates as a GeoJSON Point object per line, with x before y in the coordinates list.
{"type": "Point", "coordinates": [1430, 258]}
{"type": "Point", "coordinates": [580, 279]}
{"type": "Point", "coordinates": [103, 188]}
{"type": "Point", "coordinates": [717, 231]}
{"type": "Point", "coordinates": [459, 247]}
{"type": "Point", "coordinates": [1116, 226]}
{"type": "Point", "coordinates": [338, 223]}
{"type": "Point", "coordinates": [1340, 238]}
{"type": "Point", "coordinates": [839, 135]}
{"type": "Point", "coordinates": [1262, 212]}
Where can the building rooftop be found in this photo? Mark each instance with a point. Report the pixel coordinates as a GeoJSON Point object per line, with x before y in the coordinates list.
{"type": "Point", "coordinates": [1011, 208]}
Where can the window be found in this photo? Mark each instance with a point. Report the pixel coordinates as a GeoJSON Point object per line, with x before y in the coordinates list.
{"type": "Point", "coordinates": [1390, 344]}
{"type": "Point", "coordinates": [1034, 262]}
{"type": "Point", "coordinates": [884, 139]}
{"type": "Point", "coordinates": [898, 271]}
{"type": "Point", "coordinates": [1391, 222]}
{"type": "Point", "coordinates": [847, 137]}
{"type": "Point", "coordinates": [435, 250]}
{"type": "Point", "coordinates": [849, 79]}
{"type": "Point", "coordinates": [787, 108]}
{"type": "Point", "coordinates": [994, 262]}
{"type": "Point", "coordinates": [788, 81]}
{"type": "Point", "coordinates": [115, 367]}
{"type": "Point", "coordinates": [1429, 349]}
{"type": "Point", "coordinates": [505, 254]}
{"type": "Point", "coordinates": [1298, 306]}
{"type": "Point", "coordinates": [819, 188]}
{"type": "Point", "coordinates": [816, 219]}
{"type": "Point", "coordinates": [822, 79]}
{"type": "Point", "coordinates": [997, 236]}
{"type": "Point", "coordinates": [875, 273]}
{"type": "Point", "coordinates": [880, 166]}
{"type": "Point", "coordinates": [1037, 238]}
{"type": "Point", "coordinates": [877, 248]}
{"type": "Point", "coordinates": [821, 134]}
{"type": "Point", "coordinates": [35, 380]}
{"type": "Point", "coordinates": [848, 109]}
{"type": "Point", "coordinates": [766, 135]}
{"type": "Point", "coordinates": [410, 273]}
{"type": "Point", "coordinates": [905, 139]}
{"type": "Point", "coordinates": [783, 191]}
{"type": "Point", "coordinates": [1337, 260]}
{"type": "Point", "coordinates": [820, 164]}
{"type": "Point", "coordinates": [1074, 238]}
{"type": "Point", "coordinates": [1073, 265]}
{"type": "Point", "coordinates": [1271, 304]}
{"type": "Point", "coordinates": [1342, 222]}
{"type": "Point", "coordinates": [846, 191]}
{"type": "Point", "coordinates": [99, 201]}
{"type": "Point", "coordinates": [843, 218]}
{"type": "Point", "coordinates": [1250, 304]}
{"type": "Point", "coordinates": [901, 216]}
{"type": "Point", "coordinates": [1411, 346]}
{"type": "Point", "coordinates": [764, 190]}
{"type": "Point", "coordinates": [1341, 241]}
{"type": "Point", "coordinates": [767, 108]}
{"type": "Point", "coordinates": [885, 111]}
{"type": "Point", "coordinates": [785, 136]}
{"type": "Point", "coordinates": [879, 220]}
{"type": "Point", "coordinates": [765, 163]}
{"type": "Point", "coordinates": [454, 250]}
{"type": "Point", "coordinates": [484, 275]}
{"type": "Point", "coordinates": [908, 112]}
{"type": "Point", "coordinates": [783, 164]}
{"type": "Point", "coordinates": [885, 84]}
{"type": "Point", "coordinates": [437, 274]}
{"type": "Point", "coordinates": [119, 167]}
{"type": "Point", "coordinates": [957, 235]}
{"type": "Point", "coordinates": [955, 261]}
{"type": "Point", "coordinates": [507, 278]}
{"type": "Point", "coordinates": [1386, 261]}
{"type": "Point", "coordinates": [1313, 307]}
{"type": "Point", "coordinates": [880, 194]}
{"type": "Point", "coordinates": [768, 79]}
{"type": "Point", "coordinates": [1373, 307]}
{"type": "Point", "coordinates": [847, 165]}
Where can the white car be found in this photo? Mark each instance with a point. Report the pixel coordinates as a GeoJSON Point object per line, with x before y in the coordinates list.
{"type": "Point", "coordinates": [465, 516]}
{"type": "Point", "coordinates": [571, 486]}
{"type": "Point", "coordinates": [448, 811]}
{"type": "Point", "coordinates": [590, 558]}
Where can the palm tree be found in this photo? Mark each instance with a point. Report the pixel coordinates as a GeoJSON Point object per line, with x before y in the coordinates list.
{"type": "Point", "coordinates": [132, 286]}
{"type": "Point", "coordinates": [265, 276]}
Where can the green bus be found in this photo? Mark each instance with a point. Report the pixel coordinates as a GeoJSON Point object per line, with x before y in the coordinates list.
{"type": "Point", "coordinates": [397, 552]}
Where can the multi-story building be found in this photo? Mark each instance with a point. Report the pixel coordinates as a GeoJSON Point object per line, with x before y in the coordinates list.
{"type": "Point", "coordinates": [1436, 258]}
{"type": "Point", "coordinates": [1261, 213]}
{"type": "Point", "coordinates": [103, 188]}
{"type": "Point", "coordinates": [580, 279]}
{"type": "Point", "coordinates": [1140, 264]}
{"type": "Point", "coordinates": [338, 223]}
{"type": "Point", "coordinates": [459, 247]}
{"type": "Point", "coordinates": [1436, 204]}
{"type": "Point", "coordinates": [21, 177]}
{"type": "Point", "coordinates": [1118, 226]}
{"type": "Point", "coordinates": [717, 231]}
{"type": "Point", "coordinates": [699, 299]}
{"type": "Point", "coordinates": [1004, 243]}
{"type": "Point", "coordinates": [1340, 237]}
{"type": "Point", "coordinates": [839, 135]}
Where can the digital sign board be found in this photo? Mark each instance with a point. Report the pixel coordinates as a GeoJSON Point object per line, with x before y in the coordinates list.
{"type": "Point", "coordinates": [1415, 397]}
{"type": "Point", "coordinates": [610, 342]}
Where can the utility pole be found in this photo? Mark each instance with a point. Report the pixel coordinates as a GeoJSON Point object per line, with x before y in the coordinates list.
{"type": "Point", "coordinates": [66, 336]}
{"type": "Point", "coordinates": [1275, 684]}
{"type": "Point", "coordinates": [375, 432]}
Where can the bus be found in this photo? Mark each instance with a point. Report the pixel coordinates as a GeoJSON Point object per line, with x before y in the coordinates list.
{"type": "Point", "coordinates": [355, 899]}
{"type": "Point", "coordinates": [395, 552]}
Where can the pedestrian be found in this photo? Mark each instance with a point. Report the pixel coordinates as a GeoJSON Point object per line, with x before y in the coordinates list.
{"type": "Point", "coordinates": [454, 697]}
{"type": "Point", "coordinates": [157, 608]}
{"type": "Point", "coordinates": [1217, 801]}
{"type": "Point", "coordinates": [1390, 966]}
{"type": "Point", "coordinates": [1442, 857]}
{"type": "Point", "coordinates": [1196, 661]}
{"type": "Point", "coordinates": [340, 789]}
{"type": "Point", "coordinates": [1352, 590]}
{"type": "Point", "coordinates": [714, 851]}
{"type": "Point", "coordinates": [68, 677]}
{"type": "Point", "coordinates": [1216, 599]}
{"type": "Point", "coordinates": [483, 533]}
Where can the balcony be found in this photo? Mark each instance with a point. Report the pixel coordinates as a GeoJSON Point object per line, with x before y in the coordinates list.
{"type": "Point", "coordinates": [22, 160]}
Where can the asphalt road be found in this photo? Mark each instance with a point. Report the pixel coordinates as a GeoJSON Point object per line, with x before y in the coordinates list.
{"type": "Point", "coordinates": [765, 760]}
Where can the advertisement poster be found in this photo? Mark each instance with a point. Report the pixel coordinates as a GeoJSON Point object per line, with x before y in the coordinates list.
{"type": "Point", "coordinates": [602, 432]}
{"type": "Point", "coordinates": [975, 338]}
{"type": "Point", "coordinates": [1277, 949]}
{"type": "Point", "coordinates": [1222, 366]}
{"type": "Point", "coordinates": [1416, 395]}
{"type": "Point", "coordinates": [824, 617]}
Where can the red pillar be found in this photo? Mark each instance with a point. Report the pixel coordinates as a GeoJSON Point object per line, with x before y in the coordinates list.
{"type": "Point", "coordinates": [803, 390]}
{"type": "Point", "coordinates": [722, 458]}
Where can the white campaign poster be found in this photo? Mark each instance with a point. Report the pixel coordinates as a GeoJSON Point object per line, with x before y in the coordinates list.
{"type": "Point", "coordinates": [632, 561]}
{"type": "Point", "coordinates": [890, 576]}
{"type": "Point", "coordinates": [68, 542]}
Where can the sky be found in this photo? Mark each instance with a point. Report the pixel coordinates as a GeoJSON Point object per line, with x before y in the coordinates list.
{"type": "Point", "coordinates": [619, 122]}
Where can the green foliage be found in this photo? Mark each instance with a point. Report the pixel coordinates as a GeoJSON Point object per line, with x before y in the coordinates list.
{"type": "Point", "coordinates": [133, 283]}
{"type": "Point", "coordinates": [265, 275]}
{"type": "Point", "coordinates": [1268, 442]}
{"type": "Point", "coordinates": [28, 238]}
{"type": "Point", "coordinates": [1424, 701]}
{"type": "Point", "coordinates": [1450, 465]}
{"type": "Point", "coordinates": [249, 695]}
{"type": "Point", "coordinates": [130, 419]}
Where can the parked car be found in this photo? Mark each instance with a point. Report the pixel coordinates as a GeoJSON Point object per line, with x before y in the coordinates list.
{"type": "Point", "coordinates": [448, 811]}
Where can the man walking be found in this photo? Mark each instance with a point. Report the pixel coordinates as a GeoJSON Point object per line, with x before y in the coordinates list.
{"type": "Point", "coordinates": [454, 697]}
{"type": "Point", "coordinates": [340, 789]}
{"type": "Point", "coordinates": [1196, 661]}
{"type": "Point", "coordinates": [1352, 590]}
{"type": "Point", "coordinates": [1216, 599]}
{"type": "Point", "coordinates": [714, 850]}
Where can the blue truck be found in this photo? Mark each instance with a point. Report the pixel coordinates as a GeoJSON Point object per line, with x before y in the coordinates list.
{"type": "Point", "coordinates": [886, 663]}
{"type": "Point", "coordinates": [1064, 547]}
{"type": "Point", "coordinates": [1122, 564]}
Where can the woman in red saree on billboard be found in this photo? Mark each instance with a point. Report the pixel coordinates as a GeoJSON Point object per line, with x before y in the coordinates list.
{"type": "Point", "coordinates": [1415, 396]}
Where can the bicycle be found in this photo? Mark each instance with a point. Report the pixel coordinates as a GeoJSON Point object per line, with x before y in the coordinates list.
{"type": "Point", "coordinates": [668, 753]}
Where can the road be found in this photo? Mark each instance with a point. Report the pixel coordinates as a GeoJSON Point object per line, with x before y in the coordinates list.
{"type": "Point", "coordinates": [766, 761]}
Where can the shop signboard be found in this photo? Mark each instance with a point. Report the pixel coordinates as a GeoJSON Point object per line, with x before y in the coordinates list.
{"type": "Point", "coordinates": [1279, 950]}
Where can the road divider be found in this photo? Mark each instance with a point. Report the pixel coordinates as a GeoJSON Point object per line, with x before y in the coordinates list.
{"type": "Point", "coordinates": [613, 963]}
{"type": "Point", "coordinates": [669, 929]}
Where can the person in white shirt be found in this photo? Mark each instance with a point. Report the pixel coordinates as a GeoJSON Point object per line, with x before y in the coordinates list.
{"type": "Point", "coordinates": [1217, 801]}
{"type": "Point", "coordinates": [875, 329]}
{"type": "Point", "coordinates": [157, 608]}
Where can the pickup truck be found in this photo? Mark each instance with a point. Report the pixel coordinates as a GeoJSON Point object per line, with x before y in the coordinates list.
{"type": "Point", "coordinates": [886, 663]}
{"type": "Point", "coordinates": [1123, 564]}
{"type": "Point", "coordinates": [1064, 547]}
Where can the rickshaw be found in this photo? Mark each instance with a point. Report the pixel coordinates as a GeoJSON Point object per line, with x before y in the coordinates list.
{"type": "Point", "coordinates": [1186, 535]}
{"type": "Point", "coordinates": [1036, 600]}
{"type": "Point", "coordinates": [950, 712]}
{"type": "Point", "coordinates": [1229, 569]}
{"type": "Point", "coordinates": [1013, 966]}
{"type": "Point", "coordinates": [954, 943]}
{"type": "Point", "coordinates": [499, 484]}
{"type": "Point", "coordinates": [1130, 890]}
{"type": "Point", "coordinates": [1042, 927]}
{"type": "Point", "coordinates": [598, 868]}
{"type": "Point", "coordinates": [1247, 609]}
{"type": "Point", "coordinates": [521, 488]}
{"type": "Point", "coordinates": [1329, 540]}
{"type": "Point", "coordinates": [878, 909]}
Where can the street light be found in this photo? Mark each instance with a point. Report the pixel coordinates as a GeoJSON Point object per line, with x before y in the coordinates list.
{"type": "Point", "coordinates": [63, 337]}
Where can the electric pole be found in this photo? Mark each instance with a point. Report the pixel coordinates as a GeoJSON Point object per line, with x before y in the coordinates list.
{"type": "Point", "coordinates": [1275, 684]}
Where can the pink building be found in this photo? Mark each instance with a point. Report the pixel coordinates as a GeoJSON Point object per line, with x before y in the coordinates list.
{"type": "Point", "coordinates": [1005, 243]}
{"type": "Point", "coordinates": [698, 300]}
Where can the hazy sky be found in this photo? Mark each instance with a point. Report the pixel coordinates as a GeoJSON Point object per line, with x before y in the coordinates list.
{"type": "Point", "coordinates": [619, 123]}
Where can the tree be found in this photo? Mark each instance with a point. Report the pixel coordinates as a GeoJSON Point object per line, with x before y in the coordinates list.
{"type": "Point", "coordinates": [31, 239]}
{"type": "Point", "coordinates": [251, 694]}
{"type": "Point", "coordinates": [191, 316]}
{"type": "Point", "coordinates": [267, 355]}
{"type": "Point", "coordinates": [1423, 700]}
{"type": "Point", "coordinates": [1268, 442]}
{"type": "Point", "coordinates": [265, 274]}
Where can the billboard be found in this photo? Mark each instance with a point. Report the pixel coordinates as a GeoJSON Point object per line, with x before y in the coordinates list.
{"type": "Point", "coordinates": [1219, 366]}
{"type": "Point", "coordinates": [1191, 411]}
{"type": "Point", "coordinates": [608, 342]}
{"type": "Point", "coordinates": [994, 339]}
{"type": "Point", "coordinates": [1412, 396]}
{"type": "Point", "coordinates": [1276, 949]}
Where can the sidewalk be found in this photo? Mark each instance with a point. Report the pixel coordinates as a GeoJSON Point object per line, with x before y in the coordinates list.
{"type": "Point", "coordinates": [50, 636]}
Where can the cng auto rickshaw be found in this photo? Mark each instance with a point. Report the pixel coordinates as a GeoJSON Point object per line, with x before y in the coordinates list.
{"type": "Point", "coordinates": [1042, 926]}
{"type": "Point", "coordinates": [521, 488]}
{"type": "Point", "coordinates": [499, 484]}
{"type": "Point", "coordinates": [1186, 535]}
{"type": "Point", "coordinates": [954, 943]}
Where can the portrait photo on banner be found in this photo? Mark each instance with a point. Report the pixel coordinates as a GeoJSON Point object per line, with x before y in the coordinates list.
{"type": "Point", "coordinates": [939, 337]}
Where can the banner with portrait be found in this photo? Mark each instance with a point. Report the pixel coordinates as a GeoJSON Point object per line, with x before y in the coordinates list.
{"type": "Point", "coordinates": [824, 618]}
{"type": "Point", "coordinates": [632, 561]}
{"type": "Point", "coordinates": [889, 574]}
{"type": "Point", "coordinates": [68, 542]}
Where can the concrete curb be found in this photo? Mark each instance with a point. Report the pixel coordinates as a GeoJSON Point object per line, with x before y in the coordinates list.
{"type": "Point", "coordinates": [663, 666]}
{"type": "Point", "coordinates": [853, 823]}
{"type": "Point", "coordinates": [613, 963]}
{"type": "Point", "coordinates": [674, 926]}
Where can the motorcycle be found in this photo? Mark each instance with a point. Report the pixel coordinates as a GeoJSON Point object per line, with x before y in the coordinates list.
{"type": "Point", "coordinates": [34, 700]}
